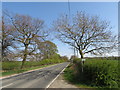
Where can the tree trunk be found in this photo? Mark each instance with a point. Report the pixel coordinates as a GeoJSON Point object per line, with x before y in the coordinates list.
{"type": "Point", "coordinates": [25, 56]}
{"type": "Point", "coordinates": [81, 54]}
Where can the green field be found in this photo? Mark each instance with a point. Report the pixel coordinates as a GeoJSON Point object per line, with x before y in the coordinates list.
{"type": "Point", "coordinates": [13, 67]}
{"type": "Point", "coordinates": [100, 73]}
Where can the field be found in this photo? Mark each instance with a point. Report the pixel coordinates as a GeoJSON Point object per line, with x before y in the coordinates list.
{"type": "Point", "coordinates": [13, 67]}
{"type": "Point", "coordinates": [100, 73]}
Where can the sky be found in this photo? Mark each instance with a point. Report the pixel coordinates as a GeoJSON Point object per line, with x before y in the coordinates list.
{"type": "Point", "coordinates": [50, 11]}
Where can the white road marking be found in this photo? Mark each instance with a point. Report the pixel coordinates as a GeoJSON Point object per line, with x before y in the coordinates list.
{"type": "Point", "coordinates": [55, 78]}
{"type": "Point", "coordinates": [7, 85]}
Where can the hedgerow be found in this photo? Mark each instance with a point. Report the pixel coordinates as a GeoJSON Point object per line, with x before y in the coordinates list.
{"type": "Point", "coordinates": [17, 64]}
{"type": "Point", "coordinates": [100, 73]}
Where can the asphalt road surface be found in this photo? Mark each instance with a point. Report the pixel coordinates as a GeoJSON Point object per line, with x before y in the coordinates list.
{"type": "Point", "coordinates": [36, 79]}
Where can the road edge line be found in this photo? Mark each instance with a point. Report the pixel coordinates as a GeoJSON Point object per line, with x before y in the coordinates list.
{"type": "Point", "coordinates": [2, 78]}
{"type": "Point", "coordinates": [6, 85]}
{"type": "Point", "coordinates": [56, 77]}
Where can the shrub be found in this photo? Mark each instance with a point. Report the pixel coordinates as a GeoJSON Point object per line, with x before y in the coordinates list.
{"type": "Point", "coordinates": [69, 75]}
{"type": "Point", "coordinates": [76, 60]}
{"type": "Point", "coordinates": [11, 65]}
{"type": "Point", "coordinates": [103, 73]}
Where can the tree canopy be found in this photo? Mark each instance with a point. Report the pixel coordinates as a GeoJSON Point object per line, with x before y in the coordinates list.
{"type": "Point", "coordinates": [88, 34]}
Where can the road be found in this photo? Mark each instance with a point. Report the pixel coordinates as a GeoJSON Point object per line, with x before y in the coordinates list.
{"type": "Point", "coordinates": [36, 79]}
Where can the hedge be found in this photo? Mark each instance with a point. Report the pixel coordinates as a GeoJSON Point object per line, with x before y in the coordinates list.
{"type": "Point", "coordinates": [101, 73]}
{"type": "Point", "coordinates": [11, 65]}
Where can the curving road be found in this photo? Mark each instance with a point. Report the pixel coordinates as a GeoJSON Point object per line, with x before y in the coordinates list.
{"type": "Point", "coordinates": [35, 79]}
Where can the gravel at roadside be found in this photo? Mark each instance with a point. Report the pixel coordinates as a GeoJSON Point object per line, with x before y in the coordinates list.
{"type": "Point", "coordinates": [61, 83]}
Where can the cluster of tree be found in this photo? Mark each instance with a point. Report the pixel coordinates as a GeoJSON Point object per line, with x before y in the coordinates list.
{"type": "Point", "coordinates": [24, 37]}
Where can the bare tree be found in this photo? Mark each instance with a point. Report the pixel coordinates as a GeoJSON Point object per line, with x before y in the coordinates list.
{"type": "Point", "coordinates": [7, 39]}
{"type": "Point", "coordinates": [88, 34]}
{"type": "Point", "coordinates": [0, 40]}
{"type": "Point", "coordinates": [26, 31]}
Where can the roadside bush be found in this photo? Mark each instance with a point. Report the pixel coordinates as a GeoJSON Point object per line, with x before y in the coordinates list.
{"type": "Point", "coordinates": [11, 65]}
{"type": "Point", "coordinates": [76, 60]}
{"type": "Point", "coordinates": [69, 75]}
{"type": "Point", "coordinates": [101, 73]}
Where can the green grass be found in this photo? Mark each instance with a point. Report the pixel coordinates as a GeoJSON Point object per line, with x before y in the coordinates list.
{"type": "Point", "coordinates": [69, 76]}
{"type": "Point", "coordinates": [80, 85]}
{"type": "Point", "coordinates": [10, 72]}
{"type": "Point", "coordinates": [97, 73]}
{"type": "Point", "coordinates": [13, 67]}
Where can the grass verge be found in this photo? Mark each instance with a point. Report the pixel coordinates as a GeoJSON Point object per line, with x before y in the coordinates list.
{"type": "Point", "coordinates": [69, 76]}
{"type": "Point", "coordinates": [17, 71]}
